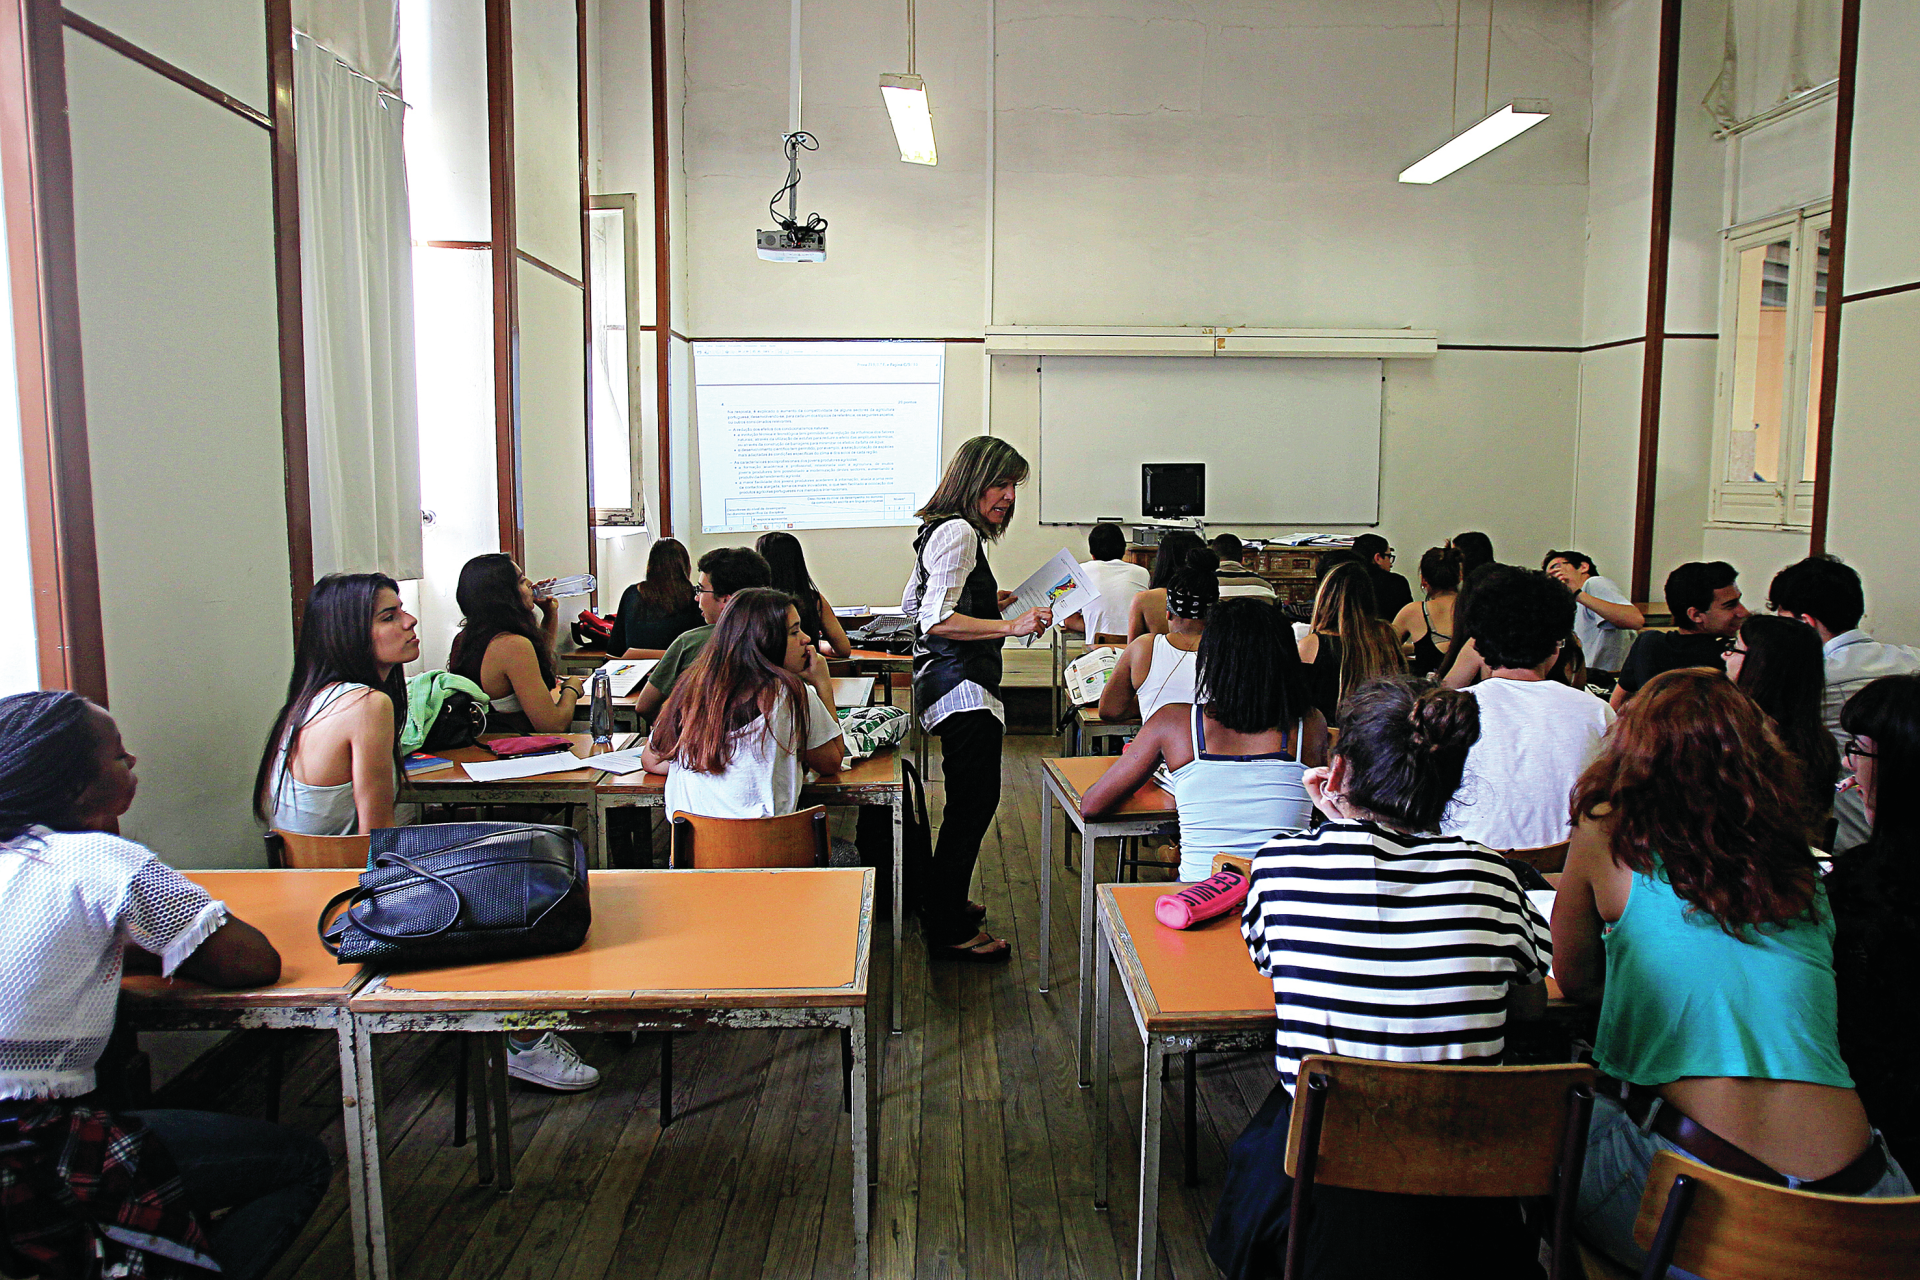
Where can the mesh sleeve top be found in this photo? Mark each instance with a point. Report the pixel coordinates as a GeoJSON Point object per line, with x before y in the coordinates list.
{"type": "Point", "coordinates": [68, 903]}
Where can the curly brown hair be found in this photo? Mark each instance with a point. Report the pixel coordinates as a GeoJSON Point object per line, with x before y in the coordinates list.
{"type": "Point", "coordinates": [1694, 777]}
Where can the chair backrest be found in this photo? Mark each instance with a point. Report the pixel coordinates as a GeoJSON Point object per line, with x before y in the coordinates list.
{"type": "Point", "coordinates": [638, 654]}
{"type": "Point", "coordinates": [309, 853]}
{"type": "Point", "coordinates": [1430, 1129]}
{"type": "Point", "coordinates": [1109, 637]}
{"type": "Point", "coordinates": [1547, 859]}
{"type": "Point", "coordinates": [789, 840]}
{"type": "Point", "coordinates": [1738, 1229]}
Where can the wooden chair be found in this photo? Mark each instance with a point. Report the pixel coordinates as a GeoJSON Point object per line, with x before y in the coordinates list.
{"type": "Point", "coordinates": [1109, 637]}
{"type": "Point", "coordinates": [1440, 1130]}
{"type": "Point", "coordinates": [314, 853]}
{"type": "Point", "coordinates": [789, 840]}
{"type": "Point", "coordinates": [1548, 859]}
{"type": "Point", "coordinates": [1722, 1227]}
{"type": "Point", "coordinates": [644, 653]}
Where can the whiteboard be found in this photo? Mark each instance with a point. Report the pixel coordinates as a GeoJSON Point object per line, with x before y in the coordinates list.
{"type": "Point", "coordinates": [1285, 440]}
{"type": "Point", "coordinates": [816, 435]}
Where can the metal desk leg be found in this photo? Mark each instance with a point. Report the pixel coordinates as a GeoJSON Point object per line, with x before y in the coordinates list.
{"type": "Point", "coordinates": [1190, 1139]}
{"type": "Point", "coordinates": [356, 1146]}
{"type": "Point", "coordinates": [367, 1077]}
{"type": "Point", "coordinates": [1046, 886]}
{"type": "Point", "coordinates": [1084, 996]}
{"type": "Point", "coordinates": [864, 1169]}
{"type": "Point", "coordinates": [496, 1042]}
{"type": "Point", "coordinates": [1103, 1070]}
{"type": "Point", "coordinates": [1152, 1078]}
{"type": "Point", "coordinates": [481, 1091]}
{"type": "Point", "coordinates": [899, 902]}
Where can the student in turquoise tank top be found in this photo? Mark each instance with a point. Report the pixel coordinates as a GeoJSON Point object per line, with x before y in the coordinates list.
{"type": "Point", "coordinates": [1691, 910]}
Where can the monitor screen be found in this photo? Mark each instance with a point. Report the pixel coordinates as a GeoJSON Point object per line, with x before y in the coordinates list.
{"type": "Point", "coordinates": [1173, 490]}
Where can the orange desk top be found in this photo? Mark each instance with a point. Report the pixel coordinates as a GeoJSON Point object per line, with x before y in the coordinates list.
{"type": "Point", "coordinates": [1077, 773]}
{"type": "Point", "coordinates": [1090, 716]}
{"type": "Point", "coordinates": [881, 769]}
{"type": "Point", "coordinates": [284, 905]}
{"type": "Point", "coordinates": [1184, 978]}
{"type": "Point", "coordinates": [456, 776]}
{"type": "Point", "coordinates": [877, 655]}
{"type": "Point", "coordinates": [668, 939]}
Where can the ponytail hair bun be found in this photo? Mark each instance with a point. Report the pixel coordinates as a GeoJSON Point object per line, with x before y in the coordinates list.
{"type": "Point", "coordinates": [1442, 567]}
{"type": "Point", "coordinates": [1406, 745]}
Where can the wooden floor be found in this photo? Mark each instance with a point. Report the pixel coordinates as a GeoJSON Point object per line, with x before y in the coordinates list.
{"type": "Point", "coordinates": [985, 1141]}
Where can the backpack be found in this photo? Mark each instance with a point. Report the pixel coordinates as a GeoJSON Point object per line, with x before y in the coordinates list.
{"type": "Point", "coordinates": [444, 712]}
{"type": "Point", "coordinates": [867, 729]}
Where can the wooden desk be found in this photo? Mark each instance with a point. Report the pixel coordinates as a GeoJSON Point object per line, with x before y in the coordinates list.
{"type": "Point", "coordinates": [1148, 811]}
{"type": "Point", "coordinates": [665, 951]}
{"type": "Point", "coordinates": [848, 691]}
{"type": "Point", "coordinates": [878, 662]}
{"type": "Point", "coordinates": [313, 993]}
{"type": "Point", "coordinates": [1087, 730]}
{"type": "Point", "coordinates": [878, 780]}
{"type": "Point", "coordinates": [573, 788]}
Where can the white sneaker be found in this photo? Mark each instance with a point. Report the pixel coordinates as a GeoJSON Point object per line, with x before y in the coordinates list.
{"type": "Point", "coordinates": [551, 1063]}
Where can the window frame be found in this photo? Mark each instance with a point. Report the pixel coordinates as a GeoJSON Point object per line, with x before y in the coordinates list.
{"type": "Point", "coordinates": [1785, 504]}
{"type": "Point", "coordinates": [633, 518]}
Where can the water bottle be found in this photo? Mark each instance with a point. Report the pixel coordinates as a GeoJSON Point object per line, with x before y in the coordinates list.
{"type": "Point", "coordinates": [600, 715]}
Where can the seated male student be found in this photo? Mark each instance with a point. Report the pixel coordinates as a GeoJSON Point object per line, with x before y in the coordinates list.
{"type": "Point", "coordinates": [1536, 734]}
{"type": "Point", "coordinates": [1825, 593]}
{"type": "Point", "coordinates": [1235, 578]}
{"type": "Point", "coordinates": [723, 571]}
{"type": "Point", "coordinates": [1704, 597]}
{"type": "Point", "coordinates": [1117, 582]}
{"type": "Point", "coordinates": [1391, 593]}
{"type": "Point", "coordinates": [1604, 620]}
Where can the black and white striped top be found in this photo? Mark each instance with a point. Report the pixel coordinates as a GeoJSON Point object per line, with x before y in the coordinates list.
{"type": "Point", "coordinates": [1390, 946]}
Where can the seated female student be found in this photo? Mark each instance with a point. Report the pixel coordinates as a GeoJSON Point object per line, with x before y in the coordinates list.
{"type": "Point", "coordinates": [1237, 756]}
{"type": "Point", "coordinates": [1158, 668]}
{"type": "Point", "coordinates": [1426, 626]}
{"type": "Point", "coordinates": [1428, 948]}
{"type": "Point", "coordinates": [1147, 615]}
{"type": "Point", "coordinates": [1779, 664]}
{"type": "Point", "coordinates": [783, 555]}
{"type": "Point", "coordinates": [1691, 909]}
{"type": "Point", "coordinates": [1345, 645]}
{"type": "Point", "coordinates": [749, 718]}
{"type": "Point", "coordinates": [75, 901]}
{"type": "Point", "coordinates": [655, 612]}
{"type": "Point", "coordinates": [330, 763]}
{"type": "Point", "coordinates": [1874, 892]}
{"type": "Point", "coordinates": [507, 652]}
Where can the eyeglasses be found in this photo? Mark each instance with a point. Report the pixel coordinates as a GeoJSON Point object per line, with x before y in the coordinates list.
{"type": "Point", "coordinates": [706, 591]}
{"type": "Point", "coordinates": [1854, 751]}
{"type": "Point", "coordinates": [1739, 649]}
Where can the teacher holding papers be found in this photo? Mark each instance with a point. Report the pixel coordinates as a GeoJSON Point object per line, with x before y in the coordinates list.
{"type": "Point", "coordinates": [955, 604]}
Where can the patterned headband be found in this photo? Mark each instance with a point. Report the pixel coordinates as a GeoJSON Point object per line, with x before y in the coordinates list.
{"type": "Point", "coordinates": [1189, 604]}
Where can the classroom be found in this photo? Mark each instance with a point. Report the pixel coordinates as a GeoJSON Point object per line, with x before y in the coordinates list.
{"type": "Point", "coordinates": [968, 638]}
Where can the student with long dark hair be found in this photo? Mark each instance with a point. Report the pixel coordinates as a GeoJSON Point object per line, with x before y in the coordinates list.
{"type": "Point", "coordinates": [1346, 645]}
{"type": "Point", "coordinates": [953, 598]}
{"type": "Point", "coordinates": [658, 609]}
{"type": "Point", "coordinates": [1692, 911]}
{"type": "Point", "coordinates": [330, 767]}
{"type": "Point", "coordinates": [1426, 625]}
{"type": "Point", "coordinates": [1777, 662]}
{"type": "Point", "coordinates": [1147, 615]}
{"type": "Point", "coordinates": [505, 649]}
{"type": "Point", "coordinates": [1476, 553]}
{"type": "Point", "coordinates": [1874, 893]}
{"type": "Point", "coordinates": [751, 715]}
{"type": "Point", "coordinates": [1386, 942]}
{"type": "Point", "coordinates": [1158, 667]}
{"type": "Point", "coordinates": [784, 556]}
{"type": "Point", "coordinates": [76, 903]}
{"type": "Point", "coordinates": [1238, 750]}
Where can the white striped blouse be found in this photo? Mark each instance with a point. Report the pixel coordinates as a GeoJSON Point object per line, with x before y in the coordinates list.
{"type": "Point", "coordinates": [1390, 946]}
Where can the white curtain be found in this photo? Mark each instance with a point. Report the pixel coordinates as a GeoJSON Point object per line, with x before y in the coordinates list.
{"type": "Point", "coordinates": [364, 33]}
{"type": "Point", "coordinates": [356, 277]}
{"type": "Point", "coordinates": [1776, 50]}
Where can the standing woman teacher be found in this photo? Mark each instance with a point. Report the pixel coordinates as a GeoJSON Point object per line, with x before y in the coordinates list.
{"type": "Point", "coordinates": [953, 598]}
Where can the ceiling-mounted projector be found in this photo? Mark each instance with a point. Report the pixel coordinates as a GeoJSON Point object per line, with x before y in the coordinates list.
{"type": "Point", "coordinates": [793, 240]}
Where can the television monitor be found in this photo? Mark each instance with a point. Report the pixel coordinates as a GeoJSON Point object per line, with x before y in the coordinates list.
{"type": "Point", "coordinates": [1173, 490]}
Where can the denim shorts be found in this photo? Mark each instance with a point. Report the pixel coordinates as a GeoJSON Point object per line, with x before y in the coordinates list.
{"type": "Point", "coordinates": [1619, 1156]}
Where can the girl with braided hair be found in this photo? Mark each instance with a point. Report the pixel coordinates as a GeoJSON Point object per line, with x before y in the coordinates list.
{"type": "Point", "coordinates": [1159, 668]}
{"type": "Point", "coordinates": [76, 903]}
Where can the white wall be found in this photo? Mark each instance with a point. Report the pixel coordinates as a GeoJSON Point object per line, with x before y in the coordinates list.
{"type": "Point", "coordinates": [179, 327]}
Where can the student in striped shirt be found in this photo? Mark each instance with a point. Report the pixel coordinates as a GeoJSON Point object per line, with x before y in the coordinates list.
{"type": "Point", "coordinates": [1383, 942]}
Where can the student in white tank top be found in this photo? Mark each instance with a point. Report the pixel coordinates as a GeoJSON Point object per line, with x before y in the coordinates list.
{"type": "Point", "coordinates": [1155, 670]}
{"type": "Point", "coordinates": [1239, 754]}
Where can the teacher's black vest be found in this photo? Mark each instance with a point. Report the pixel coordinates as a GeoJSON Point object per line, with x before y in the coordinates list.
{"type": "Point", "coordinates": [940, 664]}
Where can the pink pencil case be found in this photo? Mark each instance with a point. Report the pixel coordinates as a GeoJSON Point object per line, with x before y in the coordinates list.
{"type": "Point", "coordinates": [531, 745]}
{"type": "Point", "coordinates": [1201, 902]}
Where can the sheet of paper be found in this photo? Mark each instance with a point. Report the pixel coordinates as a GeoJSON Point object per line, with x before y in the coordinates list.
{"type": "Point", "coordinates": [1055, 585]}
{"type": "Point", "coordinates": [852, 691]}
{"type": "Point", "coordinates": [621, 762]}
{"type": "Point", "coordinates": [627, 673]}
{"type": "Point", "coordinates": [1542, 900]}
{"type": "Point", "coordinates": [524, 767]}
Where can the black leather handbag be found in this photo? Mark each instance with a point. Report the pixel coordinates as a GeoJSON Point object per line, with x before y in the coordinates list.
{"type": "Point", "coordinates": [462, 893]}
{"type": "Point", "coordinates": [461, 721]}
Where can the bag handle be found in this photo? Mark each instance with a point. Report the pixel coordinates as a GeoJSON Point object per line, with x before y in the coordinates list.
{"type": "Point", "coordinates": [360, 893]}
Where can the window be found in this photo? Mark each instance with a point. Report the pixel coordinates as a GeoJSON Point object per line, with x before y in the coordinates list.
{"type": "Point", "coordinates": [615, 474]}
{"type": "Point", "coordinates": [1772, 335]}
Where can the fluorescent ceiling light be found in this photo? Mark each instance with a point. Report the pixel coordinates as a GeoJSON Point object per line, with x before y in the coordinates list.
{"type": "Point", "coordinates": [906, 99]}
{"type": "Point", "coordinates": [1507, 123]}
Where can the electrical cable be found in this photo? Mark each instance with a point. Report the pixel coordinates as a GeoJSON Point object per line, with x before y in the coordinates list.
{"type": "Point", "coordinates": [788, 221]}
{"type": "Point", "coordinates": [1486, 87]}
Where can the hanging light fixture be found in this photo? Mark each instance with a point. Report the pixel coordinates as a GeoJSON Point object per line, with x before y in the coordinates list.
{"type": "Point", "coordinates": [906, 99]}
{"type": "Point", "coordinates": [1497, 128]}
